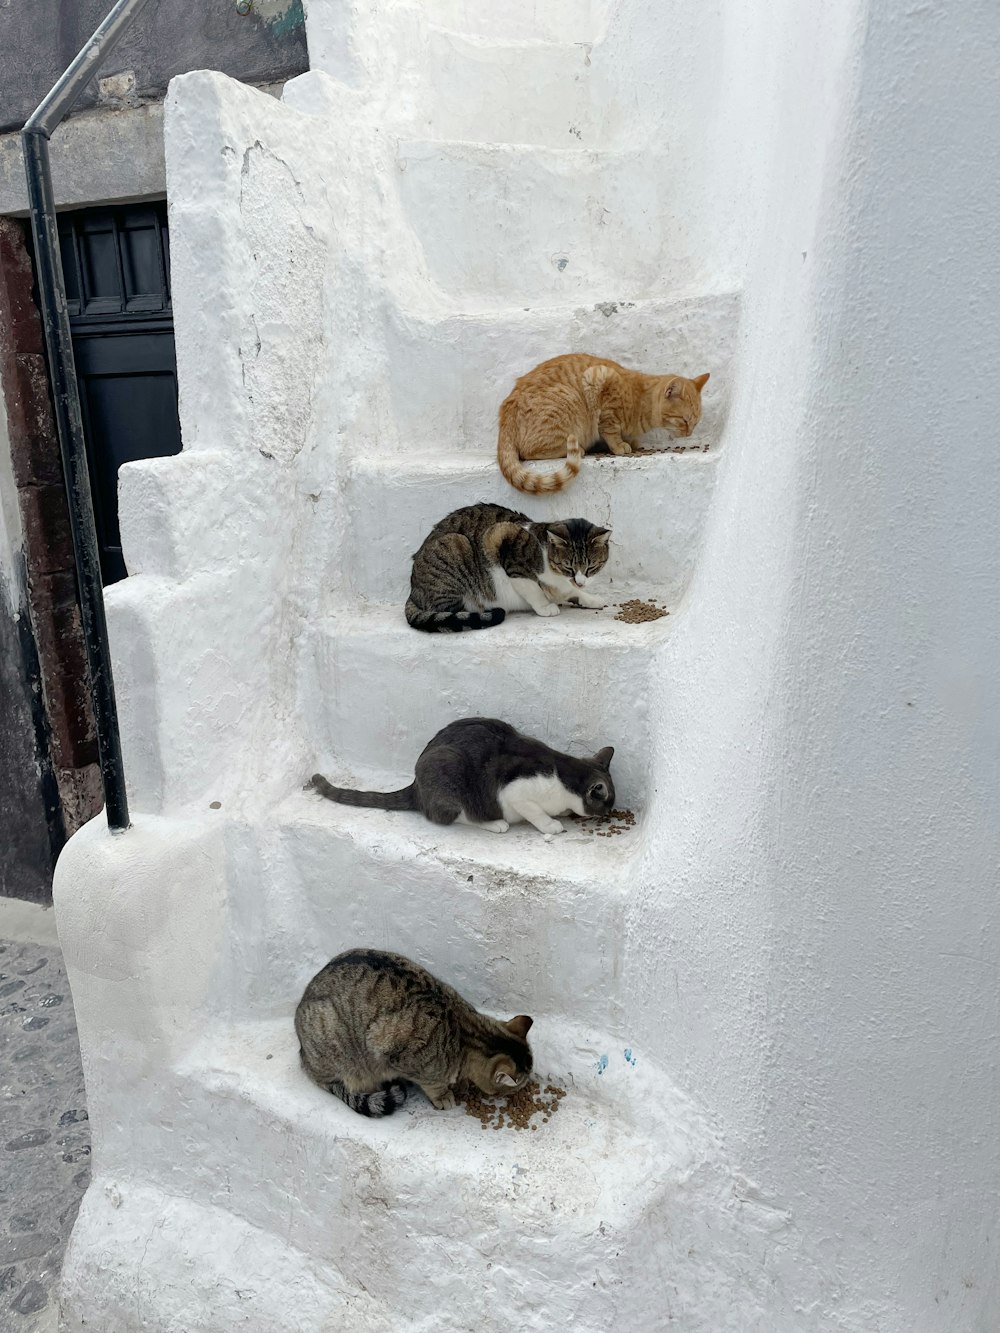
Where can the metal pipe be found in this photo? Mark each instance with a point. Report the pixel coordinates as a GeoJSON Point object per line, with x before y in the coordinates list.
{"type": "Point", "coordinates": [66, 395]}
{"type": "Point", "coordinates": [62, 96]}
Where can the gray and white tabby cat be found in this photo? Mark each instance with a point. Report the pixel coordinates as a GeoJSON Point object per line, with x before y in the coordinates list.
{"type": "Point", "coordinates": [483, 561]}
{"type": "Point", "coordinates": [371, 1022]}
{"type": "Point", "coordinates": [482, 771]}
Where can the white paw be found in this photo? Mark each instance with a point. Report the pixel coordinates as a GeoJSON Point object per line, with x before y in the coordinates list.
{"type": "Point", "coordinates": [496, 826]}
{"type": "Point", "coordinates": [591, 602]}
{"type": "Point", "coordinates": [444, 1103]}
{"type": "Point", "coordinates": [553, 828]}
{"type": "Point", "coordinates": [549, 609]}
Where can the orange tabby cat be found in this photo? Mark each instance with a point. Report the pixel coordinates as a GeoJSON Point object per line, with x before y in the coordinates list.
{"type": "Point", "coordinates": [567, 404]}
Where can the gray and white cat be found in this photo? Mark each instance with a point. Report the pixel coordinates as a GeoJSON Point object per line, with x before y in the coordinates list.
{"type": "Point", "coordinates": [370, 1022]}
{"type": "Point", "coordinates": [484, 772]}
{"type": "Point", "coordinates": [484, 560]}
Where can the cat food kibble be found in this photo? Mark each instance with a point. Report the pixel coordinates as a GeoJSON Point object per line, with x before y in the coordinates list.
{"type": "Point", "coordinates": [635, 612]}
{"type": "Point", "coordinates": [639, 451]}
{"type": "Point", "coordinates": [516, 1111]}
{"type": "Point", "coordinates": [615, 823]}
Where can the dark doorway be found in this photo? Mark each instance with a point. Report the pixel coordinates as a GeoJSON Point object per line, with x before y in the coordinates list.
{"type": "Point", "coordinates": [117, 267]}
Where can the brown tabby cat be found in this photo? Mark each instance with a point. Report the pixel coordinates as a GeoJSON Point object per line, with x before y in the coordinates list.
{"type": "Point", "coordinates": [482, 561]}
{"type": "Point", "coordinates": [370, 1022]}
{"type": "Point", "coordinates": [566, 405]}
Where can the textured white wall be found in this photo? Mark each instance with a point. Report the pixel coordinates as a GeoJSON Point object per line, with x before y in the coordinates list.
{"type": "Point", "coordinates": [819, 941]}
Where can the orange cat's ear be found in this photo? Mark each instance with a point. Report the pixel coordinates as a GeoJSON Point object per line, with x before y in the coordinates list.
{"type": "Point", "coordinates": [520, 1025]}
{"type": "Point", "coordinates": [700, 382]}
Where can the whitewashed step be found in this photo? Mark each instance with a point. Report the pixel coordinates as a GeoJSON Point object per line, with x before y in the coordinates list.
{"type": "Point", "coordinates": [521, 224]}
{"type": "Point", "coordinates": [448, 376]}
{"type": "Point", "coordinates": [520, 92]}
{"type": "Point", "coordinates": [655, 505]}
{"type": "Point", "coordinates": [517, 20]}
{"type": "Point", "coordinates": [574, 681]}
{"type": "Point", "coordinates": [614, 1210]}
{"type": "Point", "coordinates": [510, 918]}
{"type": "Point", "coordinates": [192, 1257]}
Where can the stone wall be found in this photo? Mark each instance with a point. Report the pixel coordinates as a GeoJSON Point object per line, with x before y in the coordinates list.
{"type": "Point", "coordinates": [44, 640]}
{"type": "Point", "coordinates": [38, 40]}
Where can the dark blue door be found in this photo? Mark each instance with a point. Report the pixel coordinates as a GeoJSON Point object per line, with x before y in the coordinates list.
{"type": "Point", "coordinates": [117, 267]}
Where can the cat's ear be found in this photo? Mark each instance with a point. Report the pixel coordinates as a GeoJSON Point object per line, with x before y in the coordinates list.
{"type": "Point", "coordinates": [602, 759]}
{"type": "Point", "coordinates": [673, 388]}
{"type": "Point", "coordinates": [503, 1080]}
{"type": "Point", "coordinates": [600, 534]}
{"type": "Point", "coordinates": [700, 381]}
{"type": "Point", "coordinates": [559, 534]}
{"type": "Point", "coordinates": [520, 1025]}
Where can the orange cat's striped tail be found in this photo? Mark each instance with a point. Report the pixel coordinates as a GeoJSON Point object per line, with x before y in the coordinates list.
{"type": "Point", "coordinates": [512, 465]}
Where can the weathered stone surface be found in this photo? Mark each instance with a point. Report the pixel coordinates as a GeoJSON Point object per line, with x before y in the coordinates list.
{"type": "Point", "coordinates": [17, 307]}
{"type": "Point", "coordinates": [80, 789]}
{"type": "Point", "coordinates": [27, 1245]}
{"type": "Point", "coordinates": [34, 446]}
{"type": "Point", "coordinates": [55, 635]}
{"type": "Point", "coordinates": [47, 536]}
{"type": "Point", "coordinates": [267, 42]}
{"type": "Point", "coordinates": [31, 1298]}
{"type": "Point", "coordinates": [56, 619]}
{"type": "Point", "coordinates": [45, 1146]}
{"type": "Point", "coordinates": [35, 1137]}
{"type": "Point", "coordinates": [26, 854]}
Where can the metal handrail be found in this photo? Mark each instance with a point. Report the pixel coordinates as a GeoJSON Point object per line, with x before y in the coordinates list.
{"type": "Point", "coordinates": [66, 394]}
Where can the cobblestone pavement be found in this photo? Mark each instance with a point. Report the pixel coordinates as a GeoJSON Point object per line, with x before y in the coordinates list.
{"type": "Point", "coordinates": [44, 1134]}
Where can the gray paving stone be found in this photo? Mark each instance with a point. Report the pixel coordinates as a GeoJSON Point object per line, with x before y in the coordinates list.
{"type": "Point", "coordinates": [45, 1135]}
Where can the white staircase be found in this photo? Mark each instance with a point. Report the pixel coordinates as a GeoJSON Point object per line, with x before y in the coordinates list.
{"type": "Point", "coordinates": [391, 248]}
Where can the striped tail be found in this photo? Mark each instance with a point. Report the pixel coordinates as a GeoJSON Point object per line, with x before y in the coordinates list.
{"type": "Point", "coordinates": [524, 478]}
{"type": "Point", "coordinates": [404, 799]}
{"type": "Point", "coordinates": [375, 1104]}
{"type": "Point", "coordinates": [452, 622]}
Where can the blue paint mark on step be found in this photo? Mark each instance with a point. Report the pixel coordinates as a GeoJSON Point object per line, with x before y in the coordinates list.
{"type": "Point", "coordinates": [602, 1064]}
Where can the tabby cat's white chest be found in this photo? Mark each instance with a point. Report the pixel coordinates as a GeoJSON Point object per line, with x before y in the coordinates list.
{"type": "Point", "coordinates": [544, 790]}
{"type": "Point", "coordinates": [505, 594]}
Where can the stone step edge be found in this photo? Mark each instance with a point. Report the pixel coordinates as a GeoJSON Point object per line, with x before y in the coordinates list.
{"type": "Point", "coordinates": [698, 296]}
{"type": "Point", "coordinates": [578, 857]}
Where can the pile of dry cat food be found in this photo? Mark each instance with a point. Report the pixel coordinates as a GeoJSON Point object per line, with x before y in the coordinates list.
{"type": "Point", "coordinates": [620, 821]}
{"type": "Point", "coordinates": [635, 612]}
{"type": "Point", "coordinates": [516, 1111]}
{"type": "Point", "coordinates": [642, 450]}
{"type": "Point", "coordinates": [616, 822]}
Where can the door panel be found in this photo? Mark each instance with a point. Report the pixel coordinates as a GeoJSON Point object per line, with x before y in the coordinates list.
{"type": "Point", "coordinates": [116, 262]}
{"type": "Point", "coordinates": [128, 390]}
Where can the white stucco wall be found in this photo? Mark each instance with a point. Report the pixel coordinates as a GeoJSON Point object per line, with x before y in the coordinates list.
{"type": "Point", "coordinates": [824, 923]}
{"type": "Point", "coordinates": [798, 944]}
